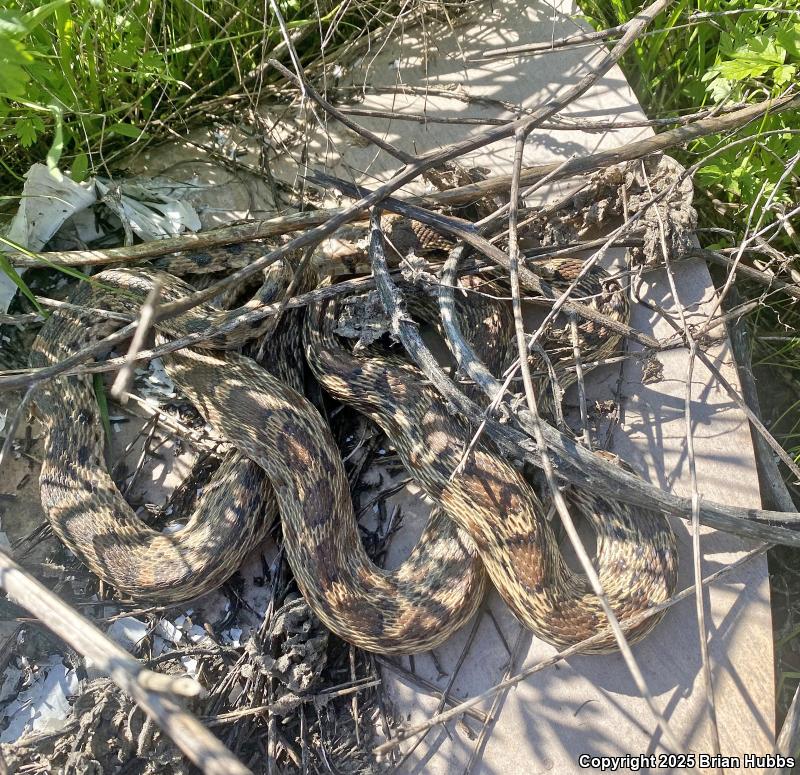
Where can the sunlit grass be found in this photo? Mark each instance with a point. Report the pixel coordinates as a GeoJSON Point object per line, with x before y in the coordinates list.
{"type": "Point", "coordinates": [81, 78]}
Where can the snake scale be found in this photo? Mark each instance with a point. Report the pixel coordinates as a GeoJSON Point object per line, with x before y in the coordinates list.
{"type": "Point", "coordinates": [491, 522]}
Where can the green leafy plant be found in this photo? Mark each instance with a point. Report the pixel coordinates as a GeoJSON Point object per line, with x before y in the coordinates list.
{"type": "Point", "coordinates": [80, 79]}
{"type": "Point", "coordinates": [701, 54]}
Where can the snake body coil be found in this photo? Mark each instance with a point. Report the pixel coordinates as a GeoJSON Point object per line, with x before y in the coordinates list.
{"type": "Point", "coordinates": [287, 453]}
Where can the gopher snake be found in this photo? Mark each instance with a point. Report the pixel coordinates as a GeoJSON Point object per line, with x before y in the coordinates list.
{"type": "Point", "coordinates": [285, 452]}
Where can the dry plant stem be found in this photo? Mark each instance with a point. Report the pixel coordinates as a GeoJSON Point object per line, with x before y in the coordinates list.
{"type": "Point", "coordinates": [204, 240]}
{"type": "Point", "coordinates": [711, 709]}
{"type": "Point", "coordinates": [558, 124]}
{"type": "Point", "coordinates": [145, 320]}
{"type": "Point", "coordinates": [142, 685]}
{"type": "Point", "coordinates": [503, 209]}
{"type": "Point", "coordinates": [103, 313]}
{"type": "Point", "coordinates": [309, 91]}
{"type": "Point", "coordinates": [576, 354]}
{"type": "Point", "coordinates": [257, 710]}
{"type": "Point", "coordinates": [457, 344]}
{"type": "Point", "coordinates": [354, 701]}
{"type": "Point", "coordinates": [563, 301]}
{"type": "Point", "coordinates": [751, 273]}
{"type": "Point", "coordinates": [33, 377]}
{"type": "Point", "coordinates": [755, 421]}
{"type": "Point", "coordinates": [175, 427]}
{"type": "Point", "coordinates": [723, 292]}
{"type": "Point", "coordinates": [392, 304]}
{"type": "Point", "coordinates": [629, 152]}
{"type": "Point", "coordinates": [445, 692]}
{"type": "Point", "coordinates": [287, 38]}
{"type": "Point", "coordinates": [17, 320]}
{"type": "Point", "coordinates": [710, 706]}
{"type": "Point", "coordinates": [146, 452]}
{"type": "Point", "coordinates": [284, 300]}
{"type": "Point", "coordinates": [513, 271]}
{"type": "Point", "coordinates": [404, 733]}
{"type": "Point", "coordinates": [577, 38]}
{"type": "Point", "coordinates": [475, 713]}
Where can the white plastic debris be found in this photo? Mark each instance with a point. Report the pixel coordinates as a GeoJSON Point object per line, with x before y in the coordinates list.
{"type": "Point", "coordinates": [154, 383]}
{"type": "Point", "coordinates": [190, 665]}
{"type": "Point", "coordinates": [232, 637]}
{"type": "Point", "coordinates": [197, 634]}
{"type": "Point", "coordinates": [160, 646]}
{"type": "Point", "coordinates": [42, 707]}
{"type": "Point", "coordinates": [128, 632]}
{"type": "Point", "coordinates": [169, 631]}
{"type": "Point", "coordinates": [154, 208]}
{"type": "Point", "coordinates": [48, 199]}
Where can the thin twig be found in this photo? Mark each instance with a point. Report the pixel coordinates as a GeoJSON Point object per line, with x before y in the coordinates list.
{"type": "Point", "coordinates": [145, 319]}
{"type": "Point", "coordinates": [332, 110]}
{"type": "Point", "coordinates": [628, 152]}
{"type": "Point", "coordinates": [697, 556]}
{"type": "Point", "coordinates": [576, 354]}
{"type": "Point", "coordinates": [523, 637]}
{"type": "Point", "coordinates": [445, 692]}
{"type": "Point", "coordinates": [755, 421]}
{"type": "Point", "coordinates": [429, 686]}
{"type": "Point", "coordinates": [74, 364]}
{"type": "Point", "coordinates": [751, 273]}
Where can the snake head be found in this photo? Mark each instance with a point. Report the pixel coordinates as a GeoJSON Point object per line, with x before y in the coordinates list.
{"type": "Point", "coordinates": [613, 300]}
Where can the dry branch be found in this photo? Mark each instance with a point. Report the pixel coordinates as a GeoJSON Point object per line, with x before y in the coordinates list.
{"type": "Point", "coordinates": [574, 462]}
{"type": "Point", "coordinates": [150, 690]}
{"type": "Point", "coordinates": [635, 150]}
